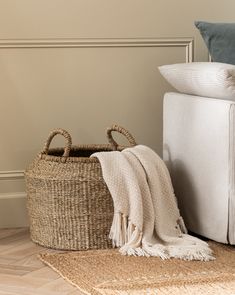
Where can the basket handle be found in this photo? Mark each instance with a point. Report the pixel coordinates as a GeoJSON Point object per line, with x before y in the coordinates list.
{"type": "Point", "coordinates": [67, 137]}
{"type": "Point", "coordinates": [121, 130]}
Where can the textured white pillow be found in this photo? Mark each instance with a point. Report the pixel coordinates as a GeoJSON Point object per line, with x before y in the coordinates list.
{"type": "Point", "coordinates": [209, 79]}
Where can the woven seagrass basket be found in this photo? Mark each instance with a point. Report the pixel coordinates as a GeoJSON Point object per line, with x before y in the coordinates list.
{"type": "Point", "coordinates": [69, 204]}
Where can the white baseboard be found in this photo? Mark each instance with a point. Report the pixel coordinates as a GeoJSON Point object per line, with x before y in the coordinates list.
{"type": "Point", "coordinates": [13, 211]}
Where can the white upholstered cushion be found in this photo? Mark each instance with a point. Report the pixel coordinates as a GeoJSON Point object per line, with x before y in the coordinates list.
{"type": "Point", "coordinates": [216, 80]}
{"type": "Point", "coordinates": [199, 150]}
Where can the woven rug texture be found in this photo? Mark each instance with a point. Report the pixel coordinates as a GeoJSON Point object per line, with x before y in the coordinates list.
{"type": "Point", "coordinates": [107, 272]}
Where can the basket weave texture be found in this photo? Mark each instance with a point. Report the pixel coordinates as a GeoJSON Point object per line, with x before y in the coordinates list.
{"type": "Point", "coordinates": [68, 202]}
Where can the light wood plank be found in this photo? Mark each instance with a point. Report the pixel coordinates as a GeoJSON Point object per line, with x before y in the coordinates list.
{"type": "Point", "coordinates": [22, 273]}
{"type": "Point", "coordinates": [58, 285]}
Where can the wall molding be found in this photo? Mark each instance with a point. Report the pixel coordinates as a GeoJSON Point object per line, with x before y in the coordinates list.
{"type": "Point", "coordinates": [187, 43]}
{"type": "Point", "coordinates": [13, 195]}
{"type": "Point", "coordinates": [12, 175]}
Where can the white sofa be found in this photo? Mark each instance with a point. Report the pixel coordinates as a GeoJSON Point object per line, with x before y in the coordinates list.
{"type": "Point", "coordinates": [199, 150]}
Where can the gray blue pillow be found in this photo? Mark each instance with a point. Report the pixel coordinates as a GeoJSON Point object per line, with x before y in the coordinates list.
{"type": "Point", "coordinates": [219, 39]}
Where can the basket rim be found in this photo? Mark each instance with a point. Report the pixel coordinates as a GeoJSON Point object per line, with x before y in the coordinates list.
{"type": "Point", "coordinates": [80, 147]}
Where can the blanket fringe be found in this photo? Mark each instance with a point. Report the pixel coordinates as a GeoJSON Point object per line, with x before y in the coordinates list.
{"type": "Point", "coordinates": [156, 250]}
{"type": "Point", "coordinates": [182, 226]}
{"type": "Point", "coordinates": [128, 237]}
{"type": "Point", "coordinates": [118, 231]}
{"type": "Point", "coordinates": [191, 252]}
{"type": "Point", "coordinates": [136, 247]}
{"type": "Point", "coordinates": [134, 242]}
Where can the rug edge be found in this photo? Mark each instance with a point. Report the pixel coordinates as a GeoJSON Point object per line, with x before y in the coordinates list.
{"type": "Point", "coordinates": [41, 257]}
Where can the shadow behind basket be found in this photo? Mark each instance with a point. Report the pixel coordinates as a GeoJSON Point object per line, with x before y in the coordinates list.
{"type": "Point", "coordinates": [69, 204]}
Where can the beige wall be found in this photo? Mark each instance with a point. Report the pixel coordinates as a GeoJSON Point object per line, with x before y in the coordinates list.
{"type": "Point", "coordinates": [83, 65]}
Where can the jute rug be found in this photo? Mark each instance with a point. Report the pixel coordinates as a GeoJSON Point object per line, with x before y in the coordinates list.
{"type": "Point", "coordinates": [106, 272]}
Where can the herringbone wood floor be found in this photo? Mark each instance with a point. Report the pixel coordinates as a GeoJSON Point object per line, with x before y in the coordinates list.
{"type": "Point", "coordinates": [22, 273]}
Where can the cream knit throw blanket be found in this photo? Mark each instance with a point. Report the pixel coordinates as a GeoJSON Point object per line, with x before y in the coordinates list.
{"type": "Point", "coordinates": [146, 218]}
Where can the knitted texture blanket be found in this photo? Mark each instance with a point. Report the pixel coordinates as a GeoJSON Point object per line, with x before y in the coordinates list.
{"type": "Point", "coordinates": [146, 220]}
